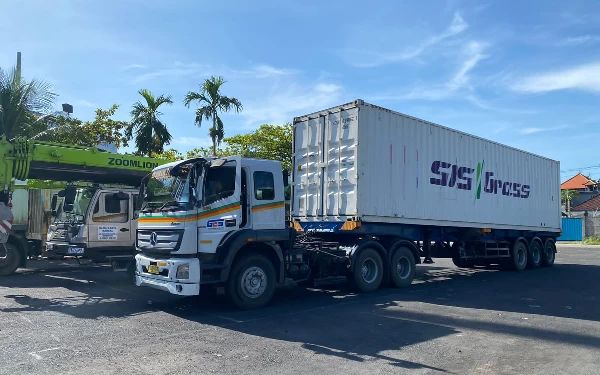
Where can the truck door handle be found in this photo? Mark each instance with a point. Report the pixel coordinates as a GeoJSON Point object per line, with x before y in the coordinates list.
{"type": "Point", "coordinates": [230, 222]}
{"type": "Point", "coordinates": [124, 230]}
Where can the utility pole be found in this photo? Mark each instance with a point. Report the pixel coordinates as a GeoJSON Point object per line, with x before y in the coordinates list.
{"type": "Point", "coordinates": [19, 65]}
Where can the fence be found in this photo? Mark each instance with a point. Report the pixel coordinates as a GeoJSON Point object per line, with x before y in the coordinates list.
{"type": "Point", "coordinates": [572, 229]}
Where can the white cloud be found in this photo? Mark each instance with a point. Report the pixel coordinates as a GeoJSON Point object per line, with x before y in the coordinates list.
{"type": "Point", "coordinates": [473, 53]}
{"type": "Point", "coordinates": [285, 102]}
{"type": "Point", "coordinates": [579, 40]}
{"type": "Point", "coordinates": [534, 130]}
{"type": "Point", "coordinates": [369, 59]}
{"type": "Point", "coordinates": [268, 71]}
{"type": "Point", "coordinates": [584, 77]}
{"type": "Point", "coordinates": [194, 142]}
{"type": "Point", "coordinates": [84, 103]}
{"type": "Point", "coordinates": [178, 69]}
{"type": "Point", "coordinates": [134, 66]}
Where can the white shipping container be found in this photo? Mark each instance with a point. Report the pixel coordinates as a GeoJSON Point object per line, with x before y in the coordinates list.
{"type": "Point", "coordinates": [362, 162]}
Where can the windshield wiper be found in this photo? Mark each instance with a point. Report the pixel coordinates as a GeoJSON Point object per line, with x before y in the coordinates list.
{"type": "Point", "coordinates": [171, 204]}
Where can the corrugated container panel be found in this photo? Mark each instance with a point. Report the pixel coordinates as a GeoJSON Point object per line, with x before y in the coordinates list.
{"type": "Point", "coordinates": [366, 162]}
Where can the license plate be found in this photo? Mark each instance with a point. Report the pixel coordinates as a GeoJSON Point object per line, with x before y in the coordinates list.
{"type": "Point", "coordinates": [75, 250]}
{"type": "Point", "coordinates": [153, 269]}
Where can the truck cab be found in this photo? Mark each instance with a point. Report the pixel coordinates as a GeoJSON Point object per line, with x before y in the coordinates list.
{"type": "Point", "coordinates": [99, 223]}
{"type": "Point", "coordinates": [199, 216]}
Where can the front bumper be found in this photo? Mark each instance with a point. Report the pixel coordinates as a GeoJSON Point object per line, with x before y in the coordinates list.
{"type": "Point", "coordinates": [167, 278]}
{"type": "Point", "coordinates": [62, 248]}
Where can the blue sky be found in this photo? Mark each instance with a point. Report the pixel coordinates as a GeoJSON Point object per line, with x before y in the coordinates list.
{"type": "Point", "coordinates": [526, 74]}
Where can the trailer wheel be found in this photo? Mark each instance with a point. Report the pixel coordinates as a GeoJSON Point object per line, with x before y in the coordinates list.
{"type": "Point", "coordinates": [518, 261]}
{"type": "Point", "coordinates": [368, 270]}
{"type": "Point", "coordinates": [534, 258]}
{"type": "Point", "coordinates": [10, 257]}
{"type": "Point", "coordinates": [251, 282]}
{"type": "Point", "coordinates": [402, 267]}
{"type": "Point", "coordinates": [549, 254]}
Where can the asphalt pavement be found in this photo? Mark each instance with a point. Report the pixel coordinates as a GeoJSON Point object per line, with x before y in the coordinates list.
{"type": "Point", "coordinates": [87, 319]}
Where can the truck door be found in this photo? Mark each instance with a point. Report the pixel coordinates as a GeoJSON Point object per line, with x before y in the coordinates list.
{"type": "Point", "coordinates": [221, 212]}
{"type": "Point", "coordinates": [109, 225]}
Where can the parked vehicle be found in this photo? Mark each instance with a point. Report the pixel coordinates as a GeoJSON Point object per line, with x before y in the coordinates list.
{"type": "Point", "coordinates": [373, 191]}
{"type": "Point", "coordinates": [25, 159]}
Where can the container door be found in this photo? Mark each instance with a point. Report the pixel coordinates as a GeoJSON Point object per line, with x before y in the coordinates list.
{"type": "Point", "coordinates": [109, 225]}
{"type": "Point", "coordinates": [308, 174]}
{"type": "Point", "coordinates": [222, 210]}
{"type": "Point", "coordinates": [340, 182]}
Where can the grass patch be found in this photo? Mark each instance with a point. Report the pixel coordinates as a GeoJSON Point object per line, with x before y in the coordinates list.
{"type": "Point", "coordinates": [592, 241]}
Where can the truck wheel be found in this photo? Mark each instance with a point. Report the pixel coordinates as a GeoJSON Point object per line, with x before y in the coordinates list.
{"type": "Point", "coordinates": [251, 283]}
{"type": "Point", "coordinates": [368, 270]}
{"type": "Point", "coordinates": [9, 259]}
{"type": "Point", "coordinates": [549, 254]}
{"type": "Point", "coordinates": [534, 258]}
{"type": "Point", "coordinates": [402, 267]}
{"type": "Point", "coordinates": [518, 261]}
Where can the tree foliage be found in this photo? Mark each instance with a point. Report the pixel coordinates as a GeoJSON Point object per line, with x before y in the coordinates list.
{"type": "Point", "coordinates": [151, 134]}
{"type": "Point", "coordinates": [170, 154]}
{"type": "Point", "coordinates": [71, 130]}
{"type": "Point", "coordinates": [271, 142]}
{"type": "Point", "coordinates": [21, 102]}
{"type": "Point", "coordinates": [210, 102]}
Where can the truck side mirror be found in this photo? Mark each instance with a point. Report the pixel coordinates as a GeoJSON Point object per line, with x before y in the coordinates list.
{"type": "Point", "coordinates": [53, 203]}
{"type": "Point", "coordinates": [70, 193]}
{"type": "Point", "coordinates": [68, 207]}
{"type": "Point", "coordinates": [61, 194]}
{"type": "Point", "coordinates": [286, 177]}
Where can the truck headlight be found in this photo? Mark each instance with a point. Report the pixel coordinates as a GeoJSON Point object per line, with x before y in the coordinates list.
{"type": "Point", "coordinates": [183, 271]}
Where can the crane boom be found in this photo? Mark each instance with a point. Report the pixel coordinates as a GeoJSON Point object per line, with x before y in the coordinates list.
{"type": "Point", "coordinates": [26, 159]}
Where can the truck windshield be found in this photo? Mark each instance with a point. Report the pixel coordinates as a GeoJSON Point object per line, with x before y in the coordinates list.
{"type": "Point", "coordinates": [80, 206]}
{"type": "Point", "coordinates": [164, 189]}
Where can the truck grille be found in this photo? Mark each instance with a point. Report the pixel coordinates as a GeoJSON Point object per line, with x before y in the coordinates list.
{"type": "Point", "coordinates": [159, 240]}
{"type": "Point", "coordinates": [59, 234]}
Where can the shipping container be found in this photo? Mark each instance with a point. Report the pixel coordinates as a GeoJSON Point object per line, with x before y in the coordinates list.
{"type": "Point", "coordinates": [361, 162]}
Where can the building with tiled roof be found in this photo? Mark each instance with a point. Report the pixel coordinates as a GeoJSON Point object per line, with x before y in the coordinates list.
{"type": "Point", "coordinates": [579, 182]}
{"type": "Point", "coordinates": [585, 187]}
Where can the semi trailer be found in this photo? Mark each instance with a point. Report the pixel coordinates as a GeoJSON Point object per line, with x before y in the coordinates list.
{"type": "Point", "coordinates": [373, 192]}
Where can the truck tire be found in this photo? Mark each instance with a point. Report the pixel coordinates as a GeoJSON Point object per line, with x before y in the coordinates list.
{"type": "Point", "coordinates": [402, 267]}
{"type": "Point", "coordinates": [549, 253]}
{"type": "Point", "coordinates": [368, 270]}
{"type": "Point", "coordinates": [9, 259]}
{"type": "Point", "coordinates": [518, 260]}
{"type": "Point", "coordinates": [251, 282]}
{"type": "Point", "coordinates": [534, 258]}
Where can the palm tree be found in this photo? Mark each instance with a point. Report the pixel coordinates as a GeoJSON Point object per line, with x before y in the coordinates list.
{"type": "Point", "coordinates": [151, 134]}
{"type": "Point", "coordinates": [210, 103]}
{"type": "Point", "coordinates": [22, 102]}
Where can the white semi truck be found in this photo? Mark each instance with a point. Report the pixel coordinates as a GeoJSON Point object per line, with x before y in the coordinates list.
{"type": "Point", "coordinates": [373, 191]}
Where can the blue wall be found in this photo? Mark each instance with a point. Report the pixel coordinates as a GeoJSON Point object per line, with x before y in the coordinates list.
{"type": "Point", "coordinates": [572, 229]}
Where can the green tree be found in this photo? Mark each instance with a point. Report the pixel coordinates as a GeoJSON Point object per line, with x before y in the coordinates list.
{"type": "Point", "coordinates": [567, 196]}
{"type": "Point", "coordinates": [210, 103]}
{"type": "Point", "coordinates": [21, 102]}
{"type": "Point", "coordinates": [170, 154]}
{"type": "Point", "coordinates": [151, 134]}
{"type": "Point", "coordinates": [71, 130]}
{"type": "Point", "coordinates": [271, 142]}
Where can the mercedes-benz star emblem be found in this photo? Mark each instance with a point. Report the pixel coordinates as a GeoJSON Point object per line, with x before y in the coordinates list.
{"type": "Point", "coordinates": [153, 239]}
